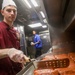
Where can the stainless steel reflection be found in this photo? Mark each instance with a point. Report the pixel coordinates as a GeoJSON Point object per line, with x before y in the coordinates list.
{"type": "Point", "coordinates": [28, 70]}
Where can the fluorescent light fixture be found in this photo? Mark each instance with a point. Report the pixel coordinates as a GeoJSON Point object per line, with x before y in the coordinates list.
{"type": "Point", "coordinates": [44, 26]}
{"type": "Point", "coordinates": [46, 31]}
{"type": "Point", "coordinates": [35, 25]}
{"type": "Point", "coordinates": [27, 3]}
{"type": "Point", "coordinates": [34, 3]}
{"type": "Point", "coordinates": [45, 21]}
{"type": "Point", "coordinates": [42, 14]}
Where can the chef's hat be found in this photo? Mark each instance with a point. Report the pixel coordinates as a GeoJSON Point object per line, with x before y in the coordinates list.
{"type": "Point", "coordinates": [8, 2]}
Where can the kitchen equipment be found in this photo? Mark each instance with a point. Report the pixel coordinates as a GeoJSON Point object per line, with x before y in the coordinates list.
{"type": "Point", "coordinates": [52, 64]}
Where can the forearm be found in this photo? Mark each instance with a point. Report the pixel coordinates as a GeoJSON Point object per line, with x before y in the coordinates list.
{"type": "Point", "coordinates": [4, 53]}
{"type": "Point", "coordinates": [14, 54]}
{"type": "Point", "coordinates": [36, 42]}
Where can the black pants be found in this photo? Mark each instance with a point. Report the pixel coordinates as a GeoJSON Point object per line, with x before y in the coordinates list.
{"type": "Point", "coordinates": [38, 52]}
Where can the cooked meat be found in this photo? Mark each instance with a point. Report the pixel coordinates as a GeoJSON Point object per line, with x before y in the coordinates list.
{"type": "Point", "coordinates": [70, 70]}
{"type": "Point", "coordinates": [48, 57]}
{"type": "Point", "coordinates": [46, 72]}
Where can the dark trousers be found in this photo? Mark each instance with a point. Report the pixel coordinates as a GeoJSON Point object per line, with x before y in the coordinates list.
{"type": "Point", "coordinates": [38, 52]}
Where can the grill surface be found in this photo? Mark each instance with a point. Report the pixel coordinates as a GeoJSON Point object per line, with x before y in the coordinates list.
{"type": "Point", "coordinates": [70, 70]}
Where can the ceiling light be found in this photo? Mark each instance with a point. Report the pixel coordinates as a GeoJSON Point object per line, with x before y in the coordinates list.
{"type": "Point", "coordinates": [42, 14]}
{"type": "Point", "coordinates": [44, 26]}
{"type": "Point", "coordinates": [35, 25]}
{"type": "Point", "coordinates": [27, 3]}
{"type": "Point", "coordinates": [46, 31]}
{"type": "Point", "coordinates": [34, 3]}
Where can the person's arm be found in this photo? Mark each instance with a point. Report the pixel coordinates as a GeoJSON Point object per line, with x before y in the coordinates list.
{"type": "Point", "coordinates": [3, 53]}
{"type": "Point", "coordinates": [14, 54]}
{"type": "Point", "coordinates": [38, 40]}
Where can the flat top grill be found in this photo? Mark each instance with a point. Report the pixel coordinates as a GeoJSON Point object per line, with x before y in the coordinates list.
{"type": "Point", "coordinates": [67, 60]}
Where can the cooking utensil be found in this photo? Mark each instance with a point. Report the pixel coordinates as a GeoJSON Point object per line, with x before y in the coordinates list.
{"type": "Point", "coordinates": [51, 64]}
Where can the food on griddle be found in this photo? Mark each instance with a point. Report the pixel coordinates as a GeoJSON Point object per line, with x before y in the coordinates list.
{"type": "Point", "coordinates": [64, 70]}
{"type": "Point", "coordinates": [49, 57]}
{"type": "Point", "coordinates": [46, 72]}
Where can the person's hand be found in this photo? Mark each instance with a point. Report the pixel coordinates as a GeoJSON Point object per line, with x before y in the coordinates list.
{"type": "Point", "coordinates": [17, 56]}
{"type": "Point", "coordinates": [32, 43]}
